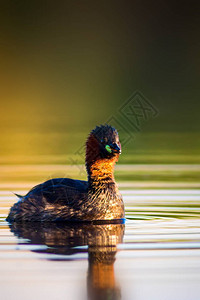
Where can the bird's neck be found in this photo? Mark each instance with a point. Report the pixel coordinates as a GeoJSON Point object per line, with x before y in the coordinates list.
{"type": "Point", "coordinates": [101, 178]}
{"type": "Point", "coordinates": [101, 170]}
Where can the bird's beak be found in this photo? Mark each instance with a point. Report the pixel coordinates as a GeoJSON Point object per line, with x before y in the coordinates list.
{"type": "Point", "coordinates": [115, 148]}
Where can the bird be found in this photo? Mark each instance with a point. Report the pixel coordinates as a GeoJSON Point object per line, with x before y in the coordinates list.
{"type": "Point", "coordinates": [71, 200]}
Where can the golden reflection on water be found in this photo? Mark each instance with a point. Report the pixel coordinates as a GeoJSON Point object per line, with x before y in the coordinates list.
{"type": "Point", "coordinates": [69, 239]}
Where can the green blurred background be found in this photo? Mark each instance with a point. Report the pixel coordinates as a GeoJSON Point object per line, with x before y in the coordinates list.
{"type": "Point", "coordinates": [67, 66]}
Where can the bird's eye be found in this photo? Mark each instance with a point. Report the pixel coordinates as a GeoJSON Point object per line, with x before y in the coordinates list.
{"type": "Point", "coordinates": [107, 147]}
{"type": "Point", "coordinates": [104, 141]}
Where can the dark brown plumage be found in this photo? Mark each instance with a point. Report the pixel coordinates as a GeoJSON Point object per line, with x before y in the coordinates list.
{"type": "Point", "coordinates": [63, 199]}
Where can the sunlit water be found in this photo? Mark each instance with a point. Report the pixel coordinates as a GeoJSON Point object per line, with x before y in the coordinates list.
{"type": "Point", "coordinates": [155, 255]}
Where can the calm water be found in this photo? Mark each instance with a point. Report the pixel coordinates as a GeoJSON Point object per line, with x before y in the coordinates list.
{"type": "Point", "coordinates": [154, 255]}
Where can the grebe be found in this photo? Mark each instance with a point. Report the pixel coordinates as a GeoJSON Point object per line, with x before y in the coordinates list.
{"type": "Point", "coordinates": [64, 199]}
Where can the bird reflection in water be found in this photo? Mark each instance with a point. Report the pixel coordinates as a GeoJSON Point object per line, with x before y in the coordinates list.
{"type": "Point", "coordinates": [101, 239]}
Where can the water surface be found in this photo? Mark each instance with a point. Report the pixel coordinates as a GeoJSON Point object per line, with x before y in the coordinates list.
{"type": "Point", "coordinates": [154, 255]}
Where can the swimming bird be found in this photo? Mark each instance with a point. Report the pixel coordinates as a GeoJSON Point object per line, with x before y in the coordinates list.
{"type": "Point", "coordinates": [65, 199]}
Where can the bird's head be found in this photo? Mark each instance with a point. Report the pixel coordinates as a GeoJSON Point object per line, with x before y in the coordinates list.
{"type": "Point", "coordinates": [103, 146]}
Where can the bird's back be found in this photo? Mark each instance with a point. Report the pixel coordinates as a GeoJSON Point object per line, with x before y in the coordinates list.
{"type": "Point", "coordinates": [58, 190]}
{"type": "Point", "coordinates": [48, 199]}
